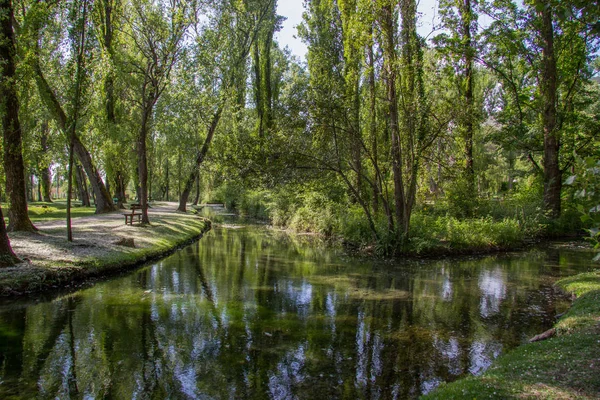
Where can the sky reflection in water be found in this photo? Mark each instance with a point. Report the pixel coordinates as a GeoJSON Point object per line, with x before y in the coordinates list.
{"type": "Point", "coordinates": [248, 313]}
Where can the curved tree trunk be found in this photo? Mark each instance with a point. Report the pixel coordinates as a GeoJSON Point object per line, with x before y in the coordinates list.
{"type": "Point", "coordinates": [197, 198]}
{"type": "Point", "coordinates": [104, 202]}
{"type": "Point", "coordinates": [199, 160]}
{"type": "Point", "coordinates": [102, 197]}
{"type": "Point", "coordinates": [81, 186]}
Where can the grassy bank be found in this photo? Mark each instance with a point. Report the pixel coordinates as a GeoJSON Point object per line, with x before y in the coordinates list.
{"type": "Point", "coordinates": [50, 261]}
{"type": "Point", "coordinates": [57, 210]}
{"type": "Point", "coordinates": [564, 367]}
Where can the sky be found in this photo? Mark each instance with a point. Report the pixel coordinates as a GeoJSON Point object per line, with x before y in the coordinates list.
{"type": "Point", "coordinates": [293, 9]}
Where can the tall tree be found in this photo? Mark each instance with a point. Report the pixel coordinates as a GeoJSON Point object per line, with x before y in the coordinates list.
{"type": "Point", "coordinates": [7, 106]}
{"type": "Point", "coordinates": [265, 13]}
{"type": "Point", "coordinates": [109, 15]}
{"type": "Point", "coordinates": [239, 31]}
{"type": "Point", "coordinates": [540, 53]}
{"type": "Point", "coordinates": [157, 32]}
{"type": "Point", "coordinates": [78, 36]}
{"type": "Point", "coordinates": [37, 16]}
{"type": "Point", "coordinates": [44, 167]}
{"type": "Point", "coordinates": [11, 128]}
{"type": "Point", "coordinates": [458, 47]}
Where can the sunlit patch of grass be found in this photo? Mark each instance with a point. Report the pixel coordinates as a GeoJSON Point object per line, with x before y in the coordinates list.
{"type": "Point", "coordinates": [565, 367]}
{"type": "Point", "coordinates": [585, 311]}
{"type": "Point", "coordinates": [40, 211]}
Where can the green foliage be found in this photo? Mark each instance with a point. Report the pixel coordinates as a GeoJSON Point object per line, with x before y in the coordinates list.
{"type": "Point", "coordinates": [587, 196]}
{"type": "Point", "coordinates": [460, 198]}
{"type": "Point", "coordinates": [429, 232]}
{"type": "Point", "coordinates": [316, 213]}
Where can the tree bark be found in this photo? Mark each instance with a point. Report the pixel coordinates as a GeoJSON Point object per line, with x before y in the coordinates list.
{"type": "Point", "coordinates": [14, 168]}
{"type": "Point", "coordinates": [82, 186]}
{"type": "Point", "coordinates": [143, 162]}
{"type": "Point", "coordinates": [552, 172]}
{"type": "Point", "coordinates": [120, 189]}
{"type": "Point", "coordinates": [197, 198]}
{"type": "Point", "coordinates": [102, 198]}
{"type": "Point", "coordinates": [7, 256]}
{"type": "Point", "coordinates": [167, 179]}
{"type": "Point", "coordinates": [185, 194]}
{"type": "Point", "coordinates": [45, 174]}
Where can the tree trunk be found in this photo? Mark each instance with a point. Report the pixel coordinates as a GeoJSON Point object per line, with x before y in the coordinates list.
{"type": "Point", "coordinates": [185, 194]}
{"type": "Point", "coordinates": [30, 189]}
{"type": "Point", "coordinates": [167, 180]}
{"type": "Point", "coordinates": [46, 176]}
{"type": "Point", "coordinates": [14, 168]}
{"type": "Point", "coordinates": [39, 189]}
{"type": "Point", "coordinates": [413, 100]}
{"type": "Point", "coordinates": [258, 93]}
{"type": "Point", "coordinates": [120, 189]}
{"type": "Point", "coordinates": [82, 187]}
{"type": "Point", "coordinates": [7, 256]}
{"type": "Point", "coordinates": [102, 198]}
{"type": "Point", "coordinates": [373, 124]}
{"type": "Point", "coordinates": [552, 172]}
{"type": "Point", "coordinates": [197, 198]}
{"type": "Point", "coordinates": [466, 14]}
{"type": "Point", "coordinates": [143, 160]}
{"type": "Point", "coordinates": [390, 60]}
{"type": "Point", "coordinates": [46, 185]}
{"type": "Point", "coordinates": [57, 184]}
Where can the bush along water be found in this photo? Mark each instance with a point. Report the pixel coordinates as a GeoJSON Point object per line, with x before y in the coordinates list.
{"type": "Point", "coordinates": [437, 227]}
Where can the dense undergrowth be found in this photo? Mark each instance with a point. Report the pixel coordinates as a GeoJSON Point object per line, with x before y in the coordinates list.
{"type": "Point", "coordinates": [438, 226]}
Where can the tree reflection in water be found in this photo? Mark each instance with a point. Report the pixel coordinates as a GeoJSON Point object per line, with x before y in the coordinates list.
{"type": "Point", "coordinates": [247, 314]}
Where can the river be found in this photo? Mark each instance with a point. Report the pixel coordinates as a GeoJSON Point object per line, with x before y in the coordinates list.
{"type": "Point", "coordinates": [251, 313]}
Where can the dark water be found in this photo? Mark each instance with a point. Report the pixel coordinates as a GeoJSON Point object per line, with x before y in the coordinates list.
{"type": "Point", "coordinates": [248, 313]}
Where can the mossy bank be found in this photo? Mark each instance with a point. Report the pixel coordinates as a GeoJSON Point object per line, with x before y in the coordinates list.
{"type": "Point", "coordinates": [51, 262]}
{"type": "Point", "coordinates": [566, 366]}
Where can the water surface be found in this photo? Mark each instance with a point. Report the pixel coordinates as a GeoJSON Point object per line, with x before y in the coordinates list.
{"type": "Point", "coordinates": [250, 313]}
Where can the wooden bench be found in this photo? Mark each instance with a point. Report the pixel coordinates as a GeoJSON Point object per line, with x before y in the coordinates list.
{"type": "Point", "coordinates": [133, 213]}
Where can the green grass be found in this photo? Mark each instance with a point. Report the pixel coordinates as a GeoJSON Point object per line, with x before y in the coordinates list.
{"type": "Point", "coordinates": [40, 211]}
{"type": "Point", "coordinates": [564, 367]}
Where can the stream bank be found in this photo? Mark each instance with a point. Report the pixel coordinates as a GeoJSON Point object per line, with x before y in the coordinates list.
{"type": "Point", "coordinates": [51, 262]}
{"type": "Point", "coordinates": [566, 366]}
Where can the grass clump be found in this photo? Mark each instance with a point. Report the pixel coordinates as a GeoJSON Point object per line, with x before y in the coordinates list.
{"type": "Point", "coordinates": [564, 367]}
